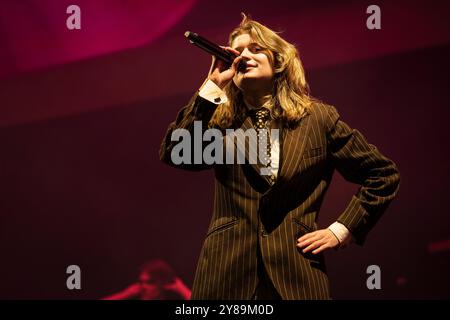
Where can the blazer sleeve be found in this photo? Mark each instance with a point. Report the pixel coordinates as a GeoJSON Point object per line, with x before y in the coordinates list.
{"type": "Point", "coordinates": [362, 163]}
{"type": "Point", "coordinates": [198, 109]}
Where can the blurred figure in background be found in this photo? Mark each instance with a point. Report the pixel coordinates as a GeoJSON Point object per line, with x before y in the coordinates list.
{"type": "Point", "coordinates": [157, 281]}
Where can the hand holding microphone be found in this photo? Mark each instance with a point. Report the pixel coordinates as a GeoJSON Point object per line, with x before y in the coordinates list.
{"type": "Point", "coordinates": [225, 62]}
{"type": "Point", "coordinates": [220, 72]}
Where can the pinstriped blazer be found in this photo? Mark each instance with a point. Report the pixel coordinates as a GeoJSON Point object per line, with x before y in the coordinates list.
{"type": "Point", "coordinates": [250, 212]}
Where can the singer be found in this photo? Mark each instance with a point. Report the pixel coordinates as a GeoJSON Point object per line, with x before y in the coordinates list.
{"type": "Point", "coordinates": [263, 241]}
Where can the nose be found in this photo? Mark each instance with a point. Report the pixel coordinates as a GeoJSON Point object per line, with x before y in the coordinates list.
{"type": "Point", "coordinates": [246, 54]}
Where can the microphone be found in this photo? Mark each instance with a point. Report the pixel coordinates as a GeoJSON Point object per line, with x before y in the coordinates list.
{"type": "Point", "coordinates": [214, 49]}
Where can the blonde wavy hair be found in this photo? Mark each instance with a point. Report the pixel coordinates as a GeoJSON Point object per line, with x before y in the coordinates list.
{"type": "Point", "coordinates": [290, 98]}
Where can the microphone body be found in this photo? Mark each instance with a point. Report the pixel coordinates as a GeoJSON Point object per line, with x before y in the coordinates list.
{"type": "Point", "coordinates": [214, 49]}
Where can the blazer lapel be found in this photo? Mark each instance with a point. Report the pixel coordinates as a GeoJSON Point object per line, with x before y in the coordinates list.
{"type": "Point", "coordinates": [247, 125]}
{"type": "Point", "coordinates": [292, 147]}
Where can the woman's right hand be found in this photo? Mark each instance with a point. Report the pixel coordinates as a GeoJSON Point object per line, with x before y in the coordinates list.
{"type": "Point", "coordinates": [219, 73]}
